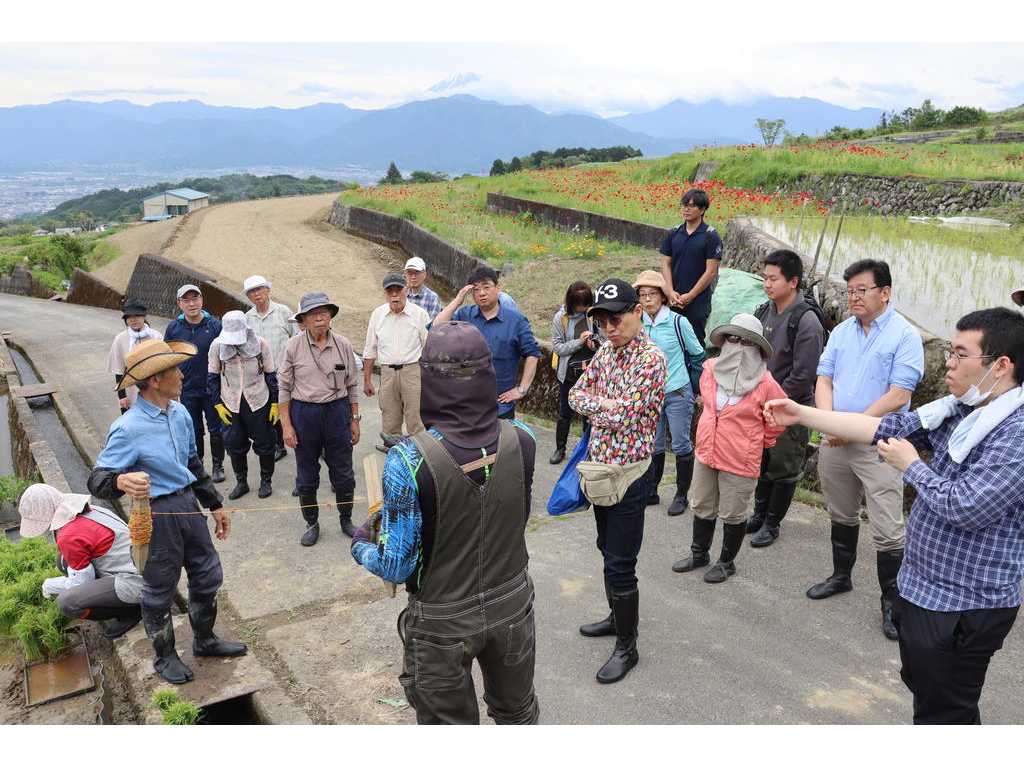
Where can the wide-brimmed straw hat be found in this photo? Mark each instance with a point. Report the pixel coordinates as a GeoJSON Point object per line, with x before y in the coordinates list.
{"type": "Point", "coordinates": [150, 357]}
{"type": "Point", "coordinates": [746, 327]}
{"type": "Point", "coordinates": [1018, 297]}
{"type": "Point", "coordinates": [651, 279]}
{"type": "Point", "coordinates": [314, 300]}
{"type": "Point", "coordinates": [43, 507]}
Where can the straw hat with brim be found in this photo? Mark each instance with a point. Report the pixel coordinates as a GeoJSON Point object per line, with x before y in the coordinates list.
{"type": "Point", "coordinates": [746, 327]}
{"type": "Point", "coordinates": [1018, 297]}
{"type": "Point", "coordinates": [651, 279]}
{"type": "Point", "coordinates": [152, 356]}
{"type": "Point", "coordinates": [315, 300]}
{"type": "Point", "coordinates": [43, 507]}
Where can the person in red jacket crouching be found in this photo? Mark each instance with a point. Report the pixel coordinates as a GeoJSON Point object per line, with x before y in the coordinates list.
{"type": "Point", "coordinates": [731, 437]}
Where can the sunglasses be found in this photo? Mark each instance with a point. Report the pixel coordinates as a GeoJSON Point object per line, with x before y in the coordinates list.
{"type": "Point", "coordinates": [607, 318]}
{"type": "Point", "coordinates": [739, 340]}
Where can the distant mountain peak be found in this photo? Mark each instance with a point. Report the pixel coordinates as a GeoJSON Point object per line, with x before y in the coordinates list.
{"type": "Point", "coordinates": [455, 81]}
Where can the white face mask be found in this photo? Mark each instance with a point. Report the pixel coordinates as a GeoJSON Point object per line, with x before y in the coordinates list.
{"type": "Point", "coordinates": [974, 396]}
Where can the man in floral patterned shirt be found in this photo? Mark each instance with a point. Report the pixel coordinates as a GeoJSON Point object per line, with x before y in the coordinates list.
{"type": "Point", "coordinates": [621, 392]}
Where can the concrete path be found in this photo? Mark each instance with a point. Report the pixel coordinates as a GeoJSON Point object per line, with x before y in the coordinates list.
{"type": "Point", "coordinates": [752, 650]}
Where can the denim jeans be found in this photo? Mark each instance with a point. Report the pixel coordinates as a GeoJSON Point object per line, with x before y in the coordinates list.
{"type": "Point", "coordinates": [677, 413]}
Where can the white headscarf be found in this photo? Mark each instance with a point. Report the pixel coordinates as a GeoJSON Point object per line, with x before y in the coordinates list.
{"type": "Point", "coordinates": [141, 335]}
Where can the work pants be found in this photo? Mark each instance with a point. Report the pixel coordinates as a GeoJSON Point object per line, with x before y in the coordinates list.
{"type": "Point", "coordinates": [717, 494]}
{"type": "Point", "coordinates": [441, 641]}
{"type": "Point", "coordinates": [399, 399]}
{"type": "Point", "coordinates": [197, 407]}
{"type": "Point", "coordinates": [180, 539]}
{"type": "Point", "coordinates": [323, 428]}
{"type": "Point", "coordinates": [945, 658]}
{"type": "Point", "coordinates": [95, 600]}
{"type": "Point", "coordinates": [677, 419]}
{"type": "Point", "coordinates": [620, 532]}
{"type": "Point", "coordinates": [250, 429]}
{"type": "Point", "coordinates": [847, 472]}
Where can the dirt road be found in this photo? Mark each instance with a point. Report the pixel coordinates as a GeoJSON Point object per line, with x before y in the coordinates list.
{"type": "Point", "coordinates": [135, 240]}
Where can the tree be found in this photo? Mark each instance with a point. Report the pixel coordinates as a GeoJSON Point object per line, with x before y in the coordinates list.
{"type": "Point", "coordinates": [498, 168]}
{"type": "Point", "coordinates": [393, 176]}
{"type": "Point", "coordinates": [426, 177]}
{"type": "Point", "coordinates": [769, 129]}
{"type": "Point", "coordinates": [515, 165]}
{"type": "Point", "coordinates": [927, 116]}
{"type": "Point", "coordinates": [958, 116]}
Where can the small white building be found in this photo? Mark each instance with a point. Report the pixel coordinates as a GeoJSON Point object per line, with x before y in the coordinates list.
{"type": "Point", "coordinates": [173, 202]}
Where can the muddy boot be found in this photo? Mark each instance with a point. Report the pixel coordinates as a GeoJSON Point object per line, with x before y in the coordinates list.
{"type": "Point", "coordinates": [655, 472]}
{"type": "Point", "coordinates": [344, 501]}
{"type": "Point", "coordinates": [561, 439]}
{"type": "Point", "coordinates": [266, 473]}
{"type": "Point", "coordinates": [844, 555]}
{"type": "Point", "coordinates": [160, 631]}
{"type": "Point", "coordinates": [703, 533]}
{"type": "Point", "coordinates": [121, 625]}
{"type": "Point", "coordinates": [311, 514]}
{"type": "Point", "coordinates": [684, 474]}
{"type": "Point", "coordinates": [606, 626]}
{"type": "Point", "coordinates": [626, 608]}
{"type": "Point", "coordinates": [202, 614]}
{"type": "Point", "coordinates": [732, 539]}
{"type": "Point", "coordinates": [240, 466]}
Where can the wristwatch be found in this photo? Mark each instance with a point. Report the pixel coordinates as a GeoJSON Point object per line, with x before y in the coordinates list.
{"type": "Point", "coordinates": [357, 417]}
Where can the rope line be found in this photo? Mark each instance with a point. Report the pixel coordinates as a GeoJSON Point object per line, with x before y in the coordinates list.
{"type": "Point", "coordinates": [289, 508]}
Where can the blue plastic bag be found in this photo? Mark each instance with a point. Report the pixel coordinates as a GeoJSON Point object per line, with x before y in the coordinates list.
{"type": "Point", "coordinates": [567, 496]}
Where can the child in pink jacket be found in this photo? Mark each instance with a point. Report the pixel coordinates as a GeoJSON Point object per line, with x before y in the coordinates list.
{"type": "Point", "coordinates": [731, 437]}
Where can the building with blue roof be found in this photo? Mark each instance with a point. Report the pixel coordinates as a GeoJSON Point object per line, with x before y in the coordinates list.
{"type": "Point", "coordinates": [173, 202]}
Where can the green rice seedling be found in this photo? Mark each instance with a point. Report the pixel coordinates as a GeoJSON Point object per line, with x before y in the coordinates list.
{"type": "Point", "coordinates": [182, 713]}
{"type": "Point", "coordinates": [163, 698]}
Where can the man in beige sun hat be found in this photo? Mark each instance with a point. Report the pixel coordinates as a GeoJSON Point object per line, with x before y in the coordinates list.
{"type": "Point", "coordinates": [151, 453]}
{"type": "Point", "coordinates": [101, 582]}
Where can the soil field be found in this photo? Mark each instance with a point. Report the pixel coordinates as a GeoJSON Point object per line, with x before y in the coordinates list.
{"type": "Point", "coordinates": [135, 240]}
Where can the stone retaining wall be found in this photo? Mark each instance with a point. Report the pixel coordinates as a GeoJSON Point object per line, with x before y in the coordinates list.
{"type": "Point", "coordinates": [155, 282]}
{"type": "Point", "coordinates": [22, 283]}
{"type": "Point", "coordinates": [88, 289]}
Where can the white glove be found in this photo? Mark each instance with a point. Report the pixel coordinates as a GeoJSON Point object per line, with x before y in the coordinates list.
{"type": "Point", "coordinates": [53, 587]}
{"type": "Point", "coordinates": [937, 411]}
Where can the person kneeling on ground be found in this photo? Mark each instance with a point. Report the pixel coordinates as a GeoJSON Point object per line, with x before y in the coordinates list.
{"type": "Point", "coordinates": [453, 528]}
{"type": "Point", "coordinates": [101, 582]}
{"type": "Point", "coordinates": [243, 388]}
{"type": "Point", "coordinates": [732, 436]}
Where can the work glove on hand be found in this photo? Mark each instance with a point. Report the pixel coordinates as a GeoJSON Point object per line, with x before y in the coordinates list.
{"type": "Point", "coordinates": [274, 416]}
{"type": "Point", "coordinates": [224, 413]}
{"type": "Point", "coordinates": [366, 532]}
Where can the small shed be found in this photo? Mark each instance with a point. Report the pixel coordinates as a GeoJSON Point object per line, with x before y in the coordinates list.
{"type": "Point", "coordinates": [173, 202]}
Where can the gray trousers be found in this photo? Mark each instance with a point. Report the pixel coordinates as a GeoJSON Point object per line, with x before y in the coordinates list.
{"type": "Point", "coordinates": [179, 540]}
{"type": "Point", "coordinates": [441, 641]}
{"type": "Point", "coordinates": [95, 600]}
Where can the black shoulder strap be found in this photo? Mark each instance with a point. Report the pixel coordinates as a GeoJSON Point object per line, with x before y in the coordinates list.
{"type": "Point", "coordinates": [761, 311]}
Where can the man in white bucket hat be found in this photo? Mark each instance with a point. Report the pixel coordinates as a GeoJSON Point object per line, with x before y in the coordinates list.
{"type": "Point", "coordinates": [272, 322]}
{"type": "Point", "coordinates": [101, 583]}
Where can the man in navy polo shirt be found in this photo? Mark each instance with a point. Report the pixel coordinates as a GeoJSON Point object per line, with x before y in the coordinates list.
{"type": "Point", "coordinates": [507, 332]}
{"type": "Point", "coordinates": [691, 254]}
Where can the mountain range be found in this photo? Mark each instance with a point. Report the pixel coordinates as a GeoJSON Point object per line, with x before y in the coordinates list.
{"type": "Point", "coordinates": [455, 134]}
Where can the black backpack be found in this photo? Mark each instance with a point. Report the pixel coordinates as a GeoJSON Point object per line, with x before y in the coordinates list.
{"type": "Point", "coordinates": [809, 304]}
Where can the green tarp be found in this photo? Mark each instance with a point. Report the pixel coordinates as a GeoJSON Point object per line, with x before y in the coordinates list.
{"type": "Point", "coordinates": [737, 292]}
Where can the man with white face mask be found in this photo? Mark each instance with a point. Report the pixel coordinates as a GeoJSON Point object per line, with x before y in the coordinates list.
{"type": "Point", "coordinates": [960, 581]}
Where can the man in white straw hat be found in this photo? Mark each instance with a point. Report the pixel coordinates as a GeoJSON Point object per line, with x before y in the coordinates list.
{"type": "Point", "coordinates": [151, 453]}
{"type": "Point", "coordinates": [272, 322]}
{"type": "Point", "coordinates": [101, 583]}
{"type": "Point", "coordinates": [243, 388]}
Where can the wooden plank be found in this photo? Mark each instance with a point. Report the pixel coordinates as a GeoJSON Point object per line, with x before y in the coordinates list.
{"type": "Point", "coordinates": [374, 484]}
{"type": "Point", "coordinates": [34, 390]}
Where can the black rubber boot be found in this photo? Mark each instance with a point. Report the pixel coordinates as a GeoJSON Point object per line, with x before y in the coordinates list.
{"type": "Point", "coordinates": [217, 449]}
{"type": "Point", "coordinates": [279, 450]}
{"type": "Point", "coordinates": [605, 627]}
{"type": "Point", "coordinates": [344, 501]}
{"type": "Point", "coordinates": [732, 540]}
{"type": "Point", "coordinates": [167, 664]}
{"type": "Point", "coordinates": [240, 466]}
{"type": "Point", "coordinates": [703, 533]}
{"type": "Point", "coordinates": [311, 514]}
{"type": "Point", "coordinates": [844, 555]}
{"type": "Point", "coordinates": [654, 474]}
{"type": "Point", "coordinates": [561, 439]}
{"type": "Point", "coordinates": [778, 505]}
{"type": "Point", "coordinates": [684, 474]}
{"type": "Point", "coordinates": [888, 564]}
{"type": "Point", "coordinates": [626, 607]}
{"type": "Point", "coordinates": [266, 474]}
{"type": "Point", "coordinates": [202, 614]}
{"type": "Point", "coordinates": [762, 495]}
{"type": "Point", "coordinates": [121, 625]}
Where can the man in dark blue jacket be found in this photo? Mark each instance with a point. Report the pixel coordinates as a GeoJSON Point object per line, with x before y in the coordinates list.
{"type": "Point", "coordinates": [197, 326]}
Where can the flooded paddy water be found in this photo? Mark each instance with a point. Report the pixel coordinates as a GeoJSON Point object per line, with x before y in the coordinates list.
{"type": "Point", "coordinates": [940, 269]}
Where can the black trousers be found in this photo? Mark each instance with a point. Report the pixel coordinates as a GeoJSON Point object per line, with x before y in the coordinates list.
{"type": "Point", "coordinates": [620, 532]}
{"type": "Point", "coordinates": [945, 658]}
{"type": "Point", "coordinates": [197, 408]}
{"type": "Point", "coordinates": [572, 375]}
{"type": "Point", "coordinates": [250, 428]}
{"type": "Point", "coordinates": [698, 317]}
{"type": "Point", "coordinates": [323, 428]}
{"type": "Point", "coordinates": [179, 540]}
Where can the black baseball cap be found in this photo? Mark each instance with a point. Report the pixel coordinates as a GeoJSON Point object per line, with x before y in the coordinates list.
{"type": "Point", "coordinates": [394, 279]}
{"type": "Point", "coordinates": [615, 296]}
{"type": "Point", "coordinates": [133, 308]}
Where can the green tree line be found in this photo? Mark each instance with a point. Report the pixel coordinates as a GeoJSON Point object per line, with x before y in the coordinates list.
{"type": "Point", "coordinates": [564, 157]}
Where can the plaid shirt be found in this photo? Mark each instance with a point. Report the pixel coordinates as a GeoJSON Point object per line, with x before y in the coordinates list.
{"type": "Point", "coordinates": [426, 299]}
{"type": "Point", "coordinates": [965, 534]}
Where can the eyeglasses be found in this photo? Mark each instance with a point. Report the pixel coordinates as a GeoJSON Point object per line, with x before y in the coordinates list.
{"type": "Point", "coordinates": [649, 294]}
{"type": "Point", "coordinates": [859, 292]}
{"type": "Point", "coordinates": [740, 340]}
{"type": "Point", "coordinates": [948, 353]}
